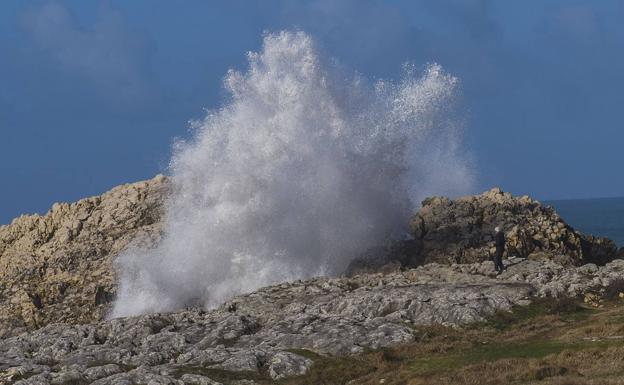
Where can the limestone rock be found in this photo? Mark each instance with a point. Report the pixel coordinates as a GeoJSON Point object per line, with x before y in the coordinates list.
{"type": "Point", "coordinates": [258, 332]}
{"type": "Point", "coordinates": [461, 231]}
{"type": "Point", "coordinates": [327, 316]}
{"type": "Point", "coordinates": [57, 281]}
{"type": "Point", "coordinates": [196, 379]}
{"type": "Point", "coordinates": [58, 267]}
{"type": "Point", "coordinates": [286, 364]}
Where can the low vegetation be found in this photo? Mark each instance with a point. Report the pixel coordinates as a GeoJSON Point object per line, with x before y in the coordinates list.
{"type": "Point", "coordinates": [552, 341]}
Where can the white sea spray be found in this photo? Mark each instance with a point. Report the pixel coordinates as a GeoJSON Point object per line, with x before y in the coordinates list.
{"type": "Point", "coordinates": [302, 169]}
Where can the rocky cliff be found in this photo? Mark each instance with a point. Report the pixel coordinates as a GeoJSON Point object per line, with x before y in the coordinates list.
{"type": "Point", "coordinates": [462, 231]}
{"type": "Point", "coordinates": [57, 276]}
{"type": "Point", "coordinates": [58, 267]}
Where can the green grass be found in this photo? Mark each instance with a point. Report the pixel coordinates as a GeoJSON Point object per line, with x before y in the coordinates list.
{"type": "Point", "coordinates": [332, 370]}
{"type": "Point", "coordinates": [494, 352]}
{"type": "Point", "coordinates": [543, 343]}
{"type": "Point", "coordinates": [568, 309]}
{"type": "Point", "coordinates": [221, 375]}
{"type": "Point", "coordinates": [537, 343]}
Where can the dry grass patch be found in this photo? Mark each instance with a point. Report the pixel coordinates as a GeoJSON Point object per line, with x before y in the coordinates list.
{"type": "Point", "coordinates": [544, 343]}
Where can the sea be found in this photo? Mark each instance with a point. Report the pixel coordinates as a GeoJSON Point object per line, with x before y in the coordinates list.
{"type": "Point", "coordinates": [600, 217]}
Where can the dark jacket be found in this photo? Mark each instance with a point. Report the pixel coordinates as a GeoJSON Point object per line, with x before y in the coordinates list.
{"type": "Point", "coordinates": [500, 241]}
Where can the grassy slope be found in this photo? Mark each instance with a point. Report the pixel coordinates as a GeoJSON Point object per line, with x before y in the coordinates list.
{"type": "Point", "coordinates": [549, 342]}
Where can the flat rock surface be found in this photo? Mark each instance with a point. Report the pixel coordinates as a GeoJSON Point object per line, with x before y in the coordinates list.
{"type": "Point", "coordinates": [258, 332]}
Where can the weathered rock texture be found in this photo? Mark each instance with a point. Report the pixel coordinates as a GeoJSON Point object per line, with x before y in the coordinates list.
{"type": "Point", "coordinates": [462, 231]}
{"type": "Point", "coordinates": [256, 334]}
{"type": "Point", "coordinates": [59, 267]}
{"type": "Point", "coordinates": [57, 275]}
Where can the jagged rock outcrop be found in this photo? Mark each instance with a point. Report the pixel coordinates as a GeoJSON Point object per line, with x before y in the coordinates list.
{"type": "Point", "coordinates": [57, 276]}
{"type": "Point", "coordinates": [58, 267]}
{"type": "Point", "coordinates": [262, 334]}
{"type": "Point", "coordinates": [462, 230]}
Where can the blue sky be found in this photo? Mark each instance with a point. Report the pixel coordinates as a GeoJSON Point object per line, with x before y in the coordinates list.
{"type": "Point", "coordinates": [93, 93]}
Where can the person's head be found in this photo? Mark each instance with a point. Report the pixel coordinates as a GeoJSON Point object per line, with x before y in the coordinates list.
{"type": "Point", "coordinates": [497, 229]}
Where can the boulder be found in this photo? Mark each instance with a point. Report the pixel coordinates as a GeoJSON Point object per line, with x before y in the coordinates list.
{"type": "Point", "coordinates": [286, 364]}
{"type": "Point", "coordinates": [462, 231]}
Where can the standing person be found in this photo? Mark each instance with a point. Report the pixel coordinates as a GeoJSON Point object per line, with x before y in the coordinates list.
{"type": "Point", "coordinates": [500, 249]}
